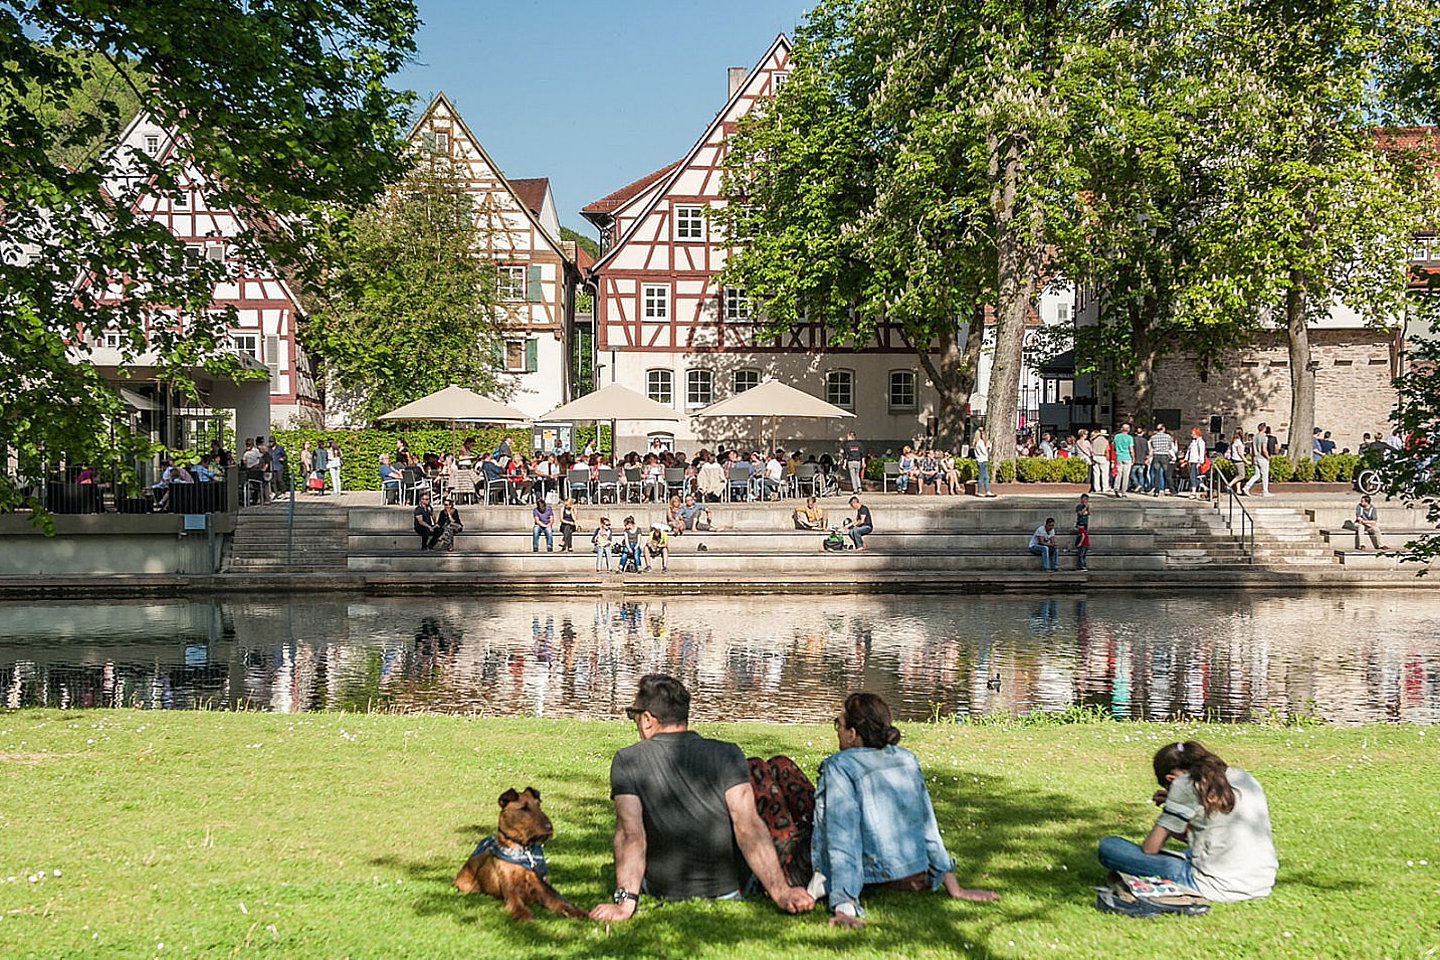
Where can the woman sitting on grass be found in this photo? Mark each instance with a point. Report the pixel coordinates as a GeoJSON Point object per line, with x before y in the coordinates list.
{"type": "Point", "coordinates": [874, 823]}
{"type": "Point", "coordinates": [1222, 809]}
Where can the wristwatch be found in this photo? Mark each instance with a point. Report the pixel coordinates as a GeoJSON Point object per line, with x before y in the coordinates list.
{"type": "Point", "coordinates": [621, 895]}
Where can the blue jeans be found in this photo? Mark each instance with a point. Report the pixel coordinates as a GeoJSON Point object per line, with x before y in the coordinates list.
{"type": "Point", "coordinates": [631, 555]}
{"type": "Point", "coordinates": [1139, 475]}
{"type": "Point", "coordinates": [602, 555]}
{"type": "Point", "coordinates": [982, 483]}
{"type": "Point", "coordinates": [535, 538]}
{"type": "Point", "coordinates": [859, 533]}
{"type": "Point", "coordinates": [1160, 476]}
{"type": "Point", "coordinates": [1049, 556]}
{"type": "Point", "coordinates": [1117, 853]}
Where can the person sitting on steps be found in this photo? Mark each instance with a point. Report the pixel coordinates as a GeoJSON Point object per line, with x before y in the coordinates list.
{"type": "Point", "coordinates": [810, 516]}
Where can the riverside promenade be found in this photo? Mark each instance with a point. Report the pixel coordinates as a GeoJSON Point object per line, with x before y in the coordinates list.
{"type": "Point", "coordinates": [357, 544]}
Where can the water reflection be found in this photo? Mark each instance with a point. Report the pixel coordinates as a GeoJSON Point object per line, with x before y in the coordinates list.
{"type": "Point", "coordinates": [1361, 657]}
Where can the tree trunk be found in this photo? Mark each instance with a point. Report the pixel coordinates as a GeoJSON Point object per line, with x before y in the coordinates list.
{"type": "Point", "coordinates": [1302, 378]}
{"type": "Point", "coordinates": [1019, 252]}
{"type": "Point", "coordinates": [952, 371]}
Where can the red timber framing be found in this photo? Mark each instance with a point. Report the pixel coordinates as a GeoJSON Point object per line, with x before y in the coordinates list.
{"type": "Point", "coordinates": [266, 310]}
{"type": "Point", "coordinates": [654, 225]}
{"type": "Point", "coordinates": [508, 230]}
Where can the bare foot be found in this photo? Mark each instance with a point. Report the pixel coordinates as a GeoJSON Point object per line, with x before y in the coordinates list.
{"type": "Point", "coordinates": [975, 896]}
{"type": "Point", "coordinates": [845, 920]}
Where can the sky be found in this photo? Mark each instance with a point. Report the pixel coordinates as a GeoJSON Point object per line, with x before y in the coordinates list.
{"type": "Point", "coordinates": [592, 95]}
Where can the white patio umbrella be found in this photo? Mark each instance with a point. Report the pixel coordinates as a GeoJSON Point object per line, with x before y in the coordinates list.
{"type": "Point", "coordinates": [773, 400]}
{"type": "Point", "coordinates": [457, 405]}
{"type": "Point", "coordinates": [612, 403]}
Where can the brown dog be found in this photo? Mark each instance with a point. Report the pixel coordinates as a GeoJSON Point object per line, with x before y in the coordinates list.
{"type": "Point", "coordinates": [510, 866]}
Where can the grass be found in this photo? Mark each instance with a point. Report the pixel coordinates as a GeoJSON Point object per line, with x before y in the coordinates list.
{"type": "Point", "coordinates": [331, 835]}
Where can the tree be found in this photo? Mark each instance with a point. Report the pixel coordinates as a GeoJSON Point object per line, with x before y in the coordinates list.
{"type": "Point", "coordinates": [408, 301]}
{"type": "Point", "coordinates": [910, 172]}
{"type": "Point", "coordinates": [283, 104]}
{"type": "Point", "coordinates": [588, 244]}
{"type": "Point", "coordinates": [1338, 210]}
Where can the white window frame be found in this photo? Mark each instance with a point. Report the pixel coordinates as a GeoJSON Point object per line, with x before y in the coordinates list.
{"type": "Point", "coordinates": [113, 338]}
{"type": "Point", "coordinates": [510, 282]}
{"type": "Point", "coordinates": [245, 342]}
{"type": "Point", "coordinates": [914, 403]}
{"type": "Point", "coordinates": [181, 200]}
{"type": "Point", "coordinates": [737, 306]}
{"type": "Point", "coordinates": [689, 223]}
{"type": "Point", "coordinates": [442, 142]}
{"type": "Point", "coordinates": [655, 302]}
{"type": "Point", "coordinates": [748, 373]}
{"type": "Point", "coordinates": [152, 145]}
{"type": "Point", "coordinates": [653, 379]}
{"type": "Point", "coordinates": [832, 395]}
{"type": "Point", "coordinates": [694, 397]}
{"type": "Point", "coordinates": [777, 80]}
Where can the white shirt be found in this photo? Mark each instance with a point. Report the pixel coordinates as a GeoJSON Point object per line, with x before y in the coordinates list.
{"type": "Point", "coordinates": [982, 451]}
{"type": "Point", "coordinates": [250, 458]}
{"type": "Point", "coordinates": [774, 470]}
{"type": "Point", "coordinates": [1195, 453]}
{"type": "Point", "coordinates": [1040, 535]}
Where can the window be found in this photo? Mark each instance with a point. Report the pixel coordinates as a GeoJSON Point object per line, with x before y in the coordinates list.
{"type": "Point", "coordinates": [699, 388]}
{"type": "Point", "coordinates": [737, 305]}
{"type": "Point", "coordinates": [514, 355]}
{"type": "Point", "coordinates": [902, 390]}
{"type": "Point", "coordinates": [1420, 249]}
{"type": "Point", "coordinates": [689, 223]}
{"type": "Point", "coordinates": [512, 283]}
{"type": "Point", "coordinates": [442, 143]}
{"type": "Point", "coordinates": [194, 254]}
{"type": "Point", "coordinates": [660, 386]}
{"type": "Point", "coordinates": [152, 144]}
{"type": "Point", "coordinates": [182, 200]}
{"type": "Point", "coordinates": [1062, 313]}
{"type": "Point", "coordinates": [113, 339]}
{"type": "Point", "coordinates": [745, 380]}
{"type": "Point", "coordinates": [840, 388]}
{"type": "Point", "coordinates": [777, 80]}
{"type": "Point", "coordinates": [246, 344]}
{"type": "Point", "coordinates": [518, 356]}
{"type": "Point", "coordinates": [655, 302]}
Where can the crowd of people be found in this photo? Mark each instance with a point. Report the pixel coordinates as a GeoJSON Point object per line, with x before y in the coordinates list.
{"type": "Point", "coordinates": [696, 819]}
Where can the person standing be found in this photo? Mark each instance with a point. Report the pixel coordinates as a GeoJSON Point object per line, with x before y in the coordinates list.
{"type": "Point", "coordinates": [332, 461]}
{"type": "Point", "coordinates": [1195, 459]}
{"type": "Point", "coordinates": [1260, 451]}
{"type": "Point", "coordinates": [1086, 450]}
{"type": "Point", "coordinates": [544, 522]}
{"type": "Point", "coordinates": [1082, 548]}
{"type": "Point", "coordinates": [1367, 522]}
{"type": "Point", "coordinates": [1124, 459]}
{"type": "Point", "coordinates": [981, 448]}
{"type": "Point", "coordinates": [1140, 472]}
{"type": "Point", "coordinates": [1162, 457]}
{"type": "Point", "coordinates": [318, 460]}
{"type": "Point", "coordinates": [1100, 461]}
{"type": "Point", "coordinates": [279, 466]}
{"type": "Point", "coordinates": [862, 526]}
{"type": "Point", "coordinates": [1044, 545]}
{"type": "Point", "coordinates": [853, 454]}
{"type": "Point", "coordinates": [1317, 445]}
{"type": "Point", "coordinates": [1239, 456]}
{"type": "Point", "coordinates": [1082, 511]}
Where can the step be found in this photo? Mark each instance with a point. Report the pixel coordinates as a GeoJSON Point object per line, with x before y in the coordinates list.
{"type": "Point", "coordinates": [799, 565]}
{"type": "Point", "coordinates": [1135, 541]}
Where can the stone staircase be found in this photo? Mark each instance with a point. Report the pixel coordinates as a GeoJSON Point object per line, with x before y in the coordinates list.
{"type": "Point", "coordinates": [1193, 536]}
{"type": "Point", "coordinates": [1285, 536]}
{"type": "Point", "coordinates": [321, 544]}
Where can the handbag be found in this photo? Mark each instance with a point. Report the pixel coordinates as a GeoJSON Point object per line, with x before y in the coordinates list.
{"type": "Point", "coordinates": [315, 483]}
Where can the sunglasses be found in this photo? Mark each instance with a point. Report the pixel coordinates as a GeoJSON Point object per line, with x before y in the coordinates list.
{"type": "Point", "coordinates": [634, 712]}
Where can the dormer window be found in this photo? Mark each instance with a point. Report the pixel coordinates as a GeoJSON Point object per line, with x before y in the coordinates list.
{"type": "Point", "coordinates": [442, 142]}
{"type": "Point", "coordinates": [152, 144]}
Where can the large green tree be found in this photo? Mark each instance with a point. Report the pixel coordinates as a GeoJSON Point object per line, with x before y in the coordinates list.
{"type": "Point", "coordinates": [408, 302]}
{"type": "Point", "coordinates": [911, 172]}
{"type": "Point", "coordinates": [283, 103]}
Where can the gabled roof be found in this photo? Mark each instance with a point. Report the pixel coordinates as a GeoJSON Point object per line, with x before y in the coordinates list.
{"type": "Point", "coordinates": [531, 192]}
{"type": "Point", "coordinates": [583, 260]}
{"type": "Point", "coordinates": [781, 42]}
{"type": "Point", "coordinates": [614, 201]}
{"type": "Point", "coordinates": [508, 184]}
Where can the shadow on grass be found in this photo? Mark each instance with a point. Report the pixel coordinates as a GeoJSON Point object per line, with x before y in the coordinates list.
{"type": "Point", "coordinates": [1036, 849]}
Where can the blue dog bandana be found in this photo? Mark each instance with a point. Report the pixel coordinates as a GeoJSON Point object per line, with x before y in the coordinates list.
{"type": "Point", "coordinates": [532, 858]}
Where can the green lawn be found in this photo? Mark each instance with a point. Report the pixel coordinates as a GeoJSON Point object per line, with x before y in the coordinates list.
{"type": "Point", "coordinates": [333, 835]}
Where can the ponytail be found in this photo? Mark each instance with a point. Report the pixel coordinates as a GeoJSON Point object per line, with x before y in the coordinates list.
{"type": "Point", "coordinates": [869, 716]}
{"type": "Point", "coordinates": [1206, 770]}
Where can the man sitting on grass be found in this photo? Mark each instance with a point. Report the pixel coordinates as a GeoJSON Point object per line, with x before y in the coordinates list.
{"type": "Point", "coordinates": [686, 826]}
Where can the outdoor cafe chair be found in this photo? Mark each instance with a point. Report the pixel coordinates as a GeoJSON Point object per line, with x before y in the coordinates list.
{"type": "Point", "coordinates": [632, 485]}
{"type": "Point", "coordinates": [496, 485]}
{"type": "Point", "coordinates": [577, 481]}
{"type": "Point", "coordinates": [412, 484]}
{"type": "Point", "coordinates": [807, 476]}
{"type": "Point", "coordinates": [607, 477]}
{"type": "Point", "coordinates": [676, 481]}
{"type": "Point", "coordinates": [892, 475]}
{"type": "Point", "coordinates": [463, 486]}
{"type": "Point", "coordinates": [739, 478]}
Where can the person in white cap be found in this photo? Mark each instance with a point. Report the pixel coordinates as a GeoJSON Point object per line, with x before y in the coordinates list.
{"type": "Point", "coordinates": [658, 546]}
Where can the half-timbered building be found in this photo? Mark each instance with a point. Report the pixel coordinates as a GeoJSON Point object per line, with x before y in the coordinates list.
{"type": "Point", "coordinates": [266, 310]}
{"type": "Point", "coordinates": [517, 226]}
{"type": "Point", "coordinates": [666, 327]}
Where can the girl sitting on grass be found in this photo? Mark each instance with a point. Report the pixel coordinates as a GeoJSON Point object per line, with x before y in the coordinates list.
{"type": "Point", "coordinates": [1222, 811]}
{"type": "Point", "coordinates": [874, 823]}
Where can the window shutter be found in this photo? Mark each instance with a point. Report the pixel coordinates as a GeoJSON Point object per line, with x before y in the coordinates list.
{"type": "Point", "coordinates": [532, 353]}
{"type": "Point", "coordinates": [499, 355]}
{"type": "Point", "coordinates": [532, 286]}
{"type": "Point", "coordinates": [272, 360]}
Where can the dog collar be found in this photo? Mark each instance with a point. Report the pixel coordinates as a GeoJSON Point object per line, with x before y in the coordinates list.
{"type": "Point", "coordinates": [530, 857]}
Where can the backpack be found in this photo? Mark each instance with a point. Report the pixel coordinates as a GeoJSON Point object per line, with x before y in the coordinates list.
{"type": "Point", "coordinates": [834, 541]}
{"type": "Point", "coordinates": [1135, 896]}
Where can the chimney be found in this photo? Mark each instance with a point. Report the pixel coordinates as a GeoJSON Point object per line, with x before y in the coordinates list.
{"type": "Point", "coordinates": [737, 78]}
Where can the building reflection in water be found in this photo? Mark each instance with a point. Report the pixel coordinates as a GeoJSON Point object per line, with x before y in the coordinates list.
{"type": "Point", "coordinates": [1360, 657]}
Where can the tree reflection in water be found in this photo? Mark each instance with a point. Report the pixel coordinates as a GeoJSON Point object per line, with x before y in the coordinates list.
{"type": "Point", "coordinates": [1360, 657]}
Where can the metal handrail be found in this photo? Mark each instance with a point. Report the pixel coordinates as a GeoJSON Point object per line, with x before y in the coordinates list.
{"type": "Point", "coordinates": [1246, 534]}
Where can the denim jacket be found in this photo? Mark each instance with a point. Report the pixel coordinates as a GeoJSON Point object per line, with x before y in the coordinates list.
{"type": "Point", "coordinates": [874, 822]}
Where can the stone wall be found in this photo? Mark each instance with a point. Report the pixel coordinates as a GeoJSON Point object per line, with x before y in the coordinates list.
{"type": "Point", "coordinates": [1353, 391]}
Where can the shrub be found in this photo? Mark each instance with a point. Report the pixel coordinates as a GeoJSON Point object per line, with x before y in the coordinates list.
{"type": "Point", "coordinates": [967, 469]}
{"type": "Point", "coordinates": [1074, 470]}
{"type": "Point", "coordinates": [1337, 467]}
{"type": "Point", "coordinates": [1032, 469]}
{"type": "Point", "coordinates": [1304, 470]}
{"type": "Point", "coordinates": [1281, 469]}
{"type": "Point", "coordinates": [1004, 471]}
{"type": "Point", "coordinates": [875, 467]}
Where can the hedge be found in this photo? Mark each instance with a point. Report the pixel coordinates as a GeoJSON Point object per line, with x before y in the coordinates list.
{"type": "Point", "coordinates": [1331, 468]}
{"type": "Point", "coordinates": [1025, 469]}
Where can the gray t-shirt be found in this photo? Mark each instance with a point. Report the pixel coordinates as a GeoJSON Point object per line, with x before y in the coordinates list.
{"type": "Point", "coordinates": [681, 779]}
{"type": "Point", "coordinates": [1232, 854]}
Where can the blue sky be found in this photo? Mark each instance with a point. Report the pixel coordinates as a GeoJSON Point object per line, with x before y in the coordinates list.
{"type": "Point", "coordinates": [592, 95]}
